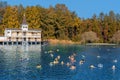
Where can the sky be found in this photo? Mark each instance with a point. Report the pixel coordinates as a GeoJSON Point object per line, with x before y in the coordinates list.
{"type": "Point", "coordinates": [83, 8]}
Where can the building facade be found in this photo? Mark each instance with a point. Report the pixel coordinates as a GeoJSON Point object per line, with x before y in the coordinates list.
{"type": "Point", "coordinates": [22, 35]}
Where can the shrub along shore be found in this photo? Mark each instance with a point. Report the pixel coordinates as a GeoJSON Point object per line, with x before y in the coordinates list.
{"type": "Point", "coordinates": [56, 41]}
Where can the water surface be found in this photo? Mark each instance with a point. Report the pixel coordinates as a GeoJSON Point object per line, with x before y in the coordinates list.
{"type": "Point", "coordinates": [20, 63]}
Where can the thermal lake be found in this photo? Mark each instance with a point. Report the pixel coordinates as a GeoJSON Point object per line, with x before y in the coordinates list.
{"type": "Point", "coordinates": [60, 62]}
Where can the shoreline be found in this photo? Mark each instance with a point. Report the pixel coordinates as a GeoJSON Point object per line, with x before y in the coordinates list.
{"type": "Point", "coordinates": [101, 44]}
{"type": "Point", "coordinates": [56, 41]}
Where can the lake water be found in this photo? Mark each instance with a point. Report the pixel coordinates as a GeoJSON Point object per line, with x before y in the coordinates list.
{"type": "Point", "coordinates": [38, 62]}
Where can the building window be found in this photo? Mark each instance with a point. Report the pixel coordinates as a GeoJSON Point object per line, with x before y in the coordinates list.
{"type": "Point", "coordinates": [9, 39]}
{"type": "Point", "coordinates": [17, 33]}
{"type": "Point", "coordinates": [35, 39]}
{"type": "Point", "coordinates": [16, 39]}
{"type": "Point", "coordinates": [24, 39]}
{"type": "Point", "coordinates": [28, 39]}
{"type": "Point", "coordinates": [24, 33]}
{"type": "Point", "coordinates": [8, 32]}
{"type": "Point", "coordinates": [32, 33]}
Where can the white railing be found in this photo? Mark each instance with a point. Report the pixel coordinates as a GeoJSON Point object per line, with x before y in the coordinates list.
{"type": "Point", "coordinates": [25, 36]}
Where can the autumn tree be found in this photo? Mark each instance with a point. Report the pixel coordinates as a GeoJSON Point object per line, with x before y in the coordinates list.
{"type": "Point", "coordinates": [58, 22]}
{"type": "Point", "coordinates": [3, 5]}
{"type": "Point", "coordinates": [33, 16]}
{"type": "Point", "coordinates": [10, 17]}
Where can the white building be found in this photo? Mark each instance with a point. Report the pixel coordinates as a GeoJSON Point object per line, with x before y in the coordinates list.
{"type": "Point", "coordinates": [22, 35]}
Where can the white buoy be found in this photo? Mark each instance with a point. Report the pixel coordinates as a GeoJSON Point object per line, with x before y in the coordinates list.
{"type": "Point", "coordinates": [115, 61]}
{"type": "Point", "coordinates": [69, 57]}
{"type": "Point", "coordinates": [50, 51]}
{"type": "Point", "coordinates": [38, 66]}
{"type": "Point", "coordinates": [45, 52]}
{"type": "Point", "coordinates": [83, 56]}
{"type": "Point", "coordinates": [73, 67]}
{"type": "Point", "coordinates": [57, 50]}
{"type": "Point", "coordinates": [92, 66]}
{"type": "Point", "coordinates": [113, 67]}
{"type": "Point", "coordinates": [51, 55]}
{"type": "Point", "coordinates": [51, 64]}
{"type": "Point", "coordinates": [58, 57]}
{"type": "Point", "coordinates": [68, 64]}
{"type": "Point", "coordinates": [81, 61]}
{"type": "Point", "coordinates": [100, 65]}
{"type": "Point", "coordinates": [55, 61]}
{"type": "Point", "coordinates": [62, 62]}
{"type": "Point", "coordinates": [98, 56]}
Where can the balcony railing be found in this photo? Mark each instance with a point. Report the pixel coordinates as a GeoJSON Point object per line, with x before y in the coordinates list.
{"type": "Point", "coordinates": [20, 35]}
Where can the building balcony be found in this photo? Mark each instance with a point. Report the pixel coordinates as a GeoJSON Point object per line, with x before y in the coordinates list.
{"type": "Point", "coordinates": [23, 36]}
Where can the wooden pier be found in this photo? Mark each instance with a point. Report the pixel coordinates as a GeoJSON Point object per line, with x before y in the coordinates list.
{"type": "Point", "coordinates": [19, 43]}
{"type": "Point", "coordinates": [23, 43]}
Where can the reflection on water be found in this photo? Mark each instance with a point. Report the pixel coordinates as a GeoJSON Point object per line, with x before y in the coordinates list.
{"type": "Point", "coordinates": [20, 48]}
{"type": "Point", "coordinates": [16, 61]}
{"type": "Point", "coordinates": [59, 62]}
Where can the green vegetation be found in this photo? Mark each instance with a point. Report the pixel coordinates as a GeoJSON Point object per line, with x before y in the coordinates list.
{"type": "Point", "coordinates": [60, 23]}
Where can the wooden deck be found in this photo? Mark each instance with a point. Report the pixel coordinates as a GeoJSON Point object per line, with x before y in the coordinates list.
{"type": "Point", "coordinates": [18, 43]}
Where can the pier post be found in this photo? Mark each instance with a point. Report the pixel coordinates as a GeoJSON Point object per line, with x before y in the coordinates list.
{"type": "Point", "coordinates": [17, 43]}
{"type": "Point", "coordinates": [3, 43]}
{"type": "Point", "coordinates": [22, 43]}
{"type": "Point", "coordinates": [12, 43]}
{"type": "Point", "coordinates": [7, 42]}
{"type": "Point", "coordinates": [29, 43]}
{"type": "Point", "coordinates": [35, 42]}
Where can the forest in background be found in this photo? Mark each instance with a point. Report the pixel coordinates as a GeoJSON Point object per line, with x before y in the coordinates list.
{"type": "Point", "coordinates": [59, 22]}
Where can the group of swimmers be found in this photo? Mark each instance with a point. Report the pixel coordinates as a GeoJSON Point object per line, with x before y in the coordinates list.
{"type": "Point", "coordinates": [72, 61]}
